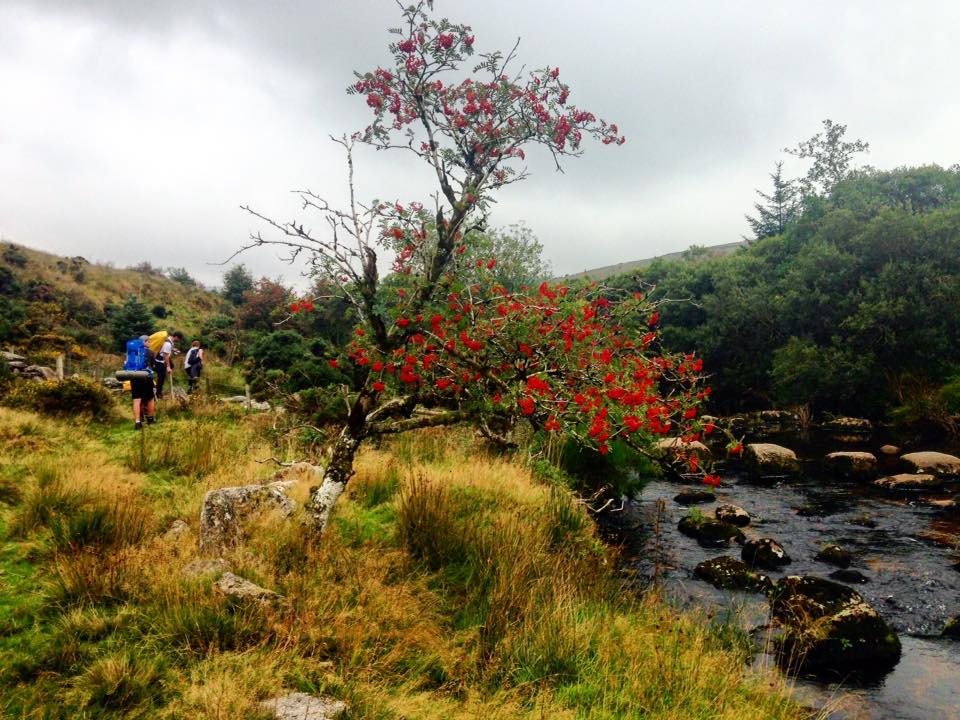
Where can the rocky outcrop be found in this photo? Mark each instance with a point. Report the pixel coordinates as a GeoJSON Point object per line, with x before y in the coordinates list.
{"type": "Point", "coordinates": [694, 497]}
{"type": "Point", "coordinates": [709, 531]}
{"type": "Point", "coordinates": [830, 630]}
{"type": "Point", "coordinates": [766, 460]}
{"type": "Point", "coordinates": [908, 483]}
{"type": "Point", "coordinates": [853, 465]}
{"type": "Point", "coordinates": [728, 573]}
{"type": "Point", "coordinates": [834, 555]}
{"type": "Point", "coordinates": [848, 430]}
{"type": "Point", "coordinates": [733, 515]}
{"type": "Point", "coordinates": [933, 463]}
{"type": "Point", "coordinates": [237, 587]}
{"type": "Point", "coordinates": [224, 510]}
{"type": "Point", "coordinates": [38, 372]}
{"type": "Point", "coordinates": [766, 553]}
{"type": "Point", "coordinates": [301, 706]}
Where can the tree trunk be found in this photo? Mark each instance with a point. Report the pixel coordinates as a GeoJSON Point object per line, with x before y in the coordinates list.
{"type": "Point", "coordinates": [335, 477]}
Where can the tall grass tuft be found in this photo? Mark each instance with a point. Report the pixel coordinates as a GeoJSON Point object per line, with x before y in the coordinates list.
{"type": "Point", "coordinates": [101, 524]}
{"type": "Point", "coordinates": [429, 527]}
{"type": "Point", "coordinates": [122, 681]}
{"type": "Point", "coordinates": [192, 448]}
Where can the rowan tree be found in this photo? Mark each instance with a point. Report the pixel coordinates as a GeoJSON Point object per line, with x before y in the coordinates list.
{"type": "Point", "coordinates": [451, 344]}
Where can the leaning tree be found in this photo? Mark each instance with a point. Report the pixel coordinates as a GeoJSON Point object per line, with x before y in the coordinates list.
{"type": "Point", "coordinates": [448, 344]}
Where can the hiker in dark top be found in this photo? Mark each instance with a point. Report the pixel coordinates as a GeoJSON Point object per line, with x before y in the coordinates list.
{"type": "Point", "coordinates": [163, 365]}
{"type": "Point", "coordinates": [142, 392]}
{"type": "Point", "coordinates": [193, 364]}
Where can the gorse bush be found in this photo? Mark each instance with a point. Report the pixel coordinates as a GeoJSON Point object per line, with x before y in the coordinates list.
{"type": "Point", "coordinates": [72, 396]}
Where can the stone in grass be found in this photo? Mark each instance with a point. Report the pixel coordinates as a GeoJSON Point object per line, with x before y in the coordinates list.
{"type": "Point", "coordinates": [830, 630]}
{"type": "Point", "coordinates": [237, 587]}
{"type": "Point", "coordinates": [301, 706]}
{"type": "Point", "coordinates": [205, 566]}
{"type": "Point", "coordinates": [709, 531]}
{"type": "Point", "coordinates": [834, 555]}
{"type": "Point", "coordinates": [847, 575]}
{"type": "Point", "coordinates": [728, 573]}
{"type": "Point", "coordinates": [766, 553]}
{"type": "Point", "coordinates": [733, 514]}
{"type": "Point", "coordinates": [694, 497]}
{"type": "Point", "coordinates": [224, 510]}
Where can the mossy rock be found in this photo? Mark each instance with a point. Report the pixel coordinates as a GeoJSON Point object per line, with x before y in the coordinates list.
{"type": "Point", "coordinates": [830, 630]}
{"type": "Point", "coordinates": [733, 515]}
{"type": "Point", "coordinates": [834, 555]}
{"type": "Point", "coordinates": [709, 531]}
{"type": "Point", "coordinates": [766, 553]}
{"type": "Point", "coordinates": [728, 573]}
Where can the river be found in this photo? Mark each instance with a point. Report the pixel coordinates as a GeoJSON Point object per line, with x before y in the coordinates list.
{"type": "Point", "coordinates": [907, 549]}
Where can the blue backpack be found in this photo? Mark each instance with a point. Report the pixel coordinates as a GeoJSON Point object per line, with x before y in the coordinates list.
{"type": "Point", "coordinates": [137, 359]}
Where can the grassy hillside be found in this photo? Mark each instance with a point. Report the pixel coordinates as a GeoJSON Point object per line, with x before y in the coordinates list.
{"type": "Point", "coordinates": [43, 294]}
{"type": "Point", "coordinates": [452, 584]}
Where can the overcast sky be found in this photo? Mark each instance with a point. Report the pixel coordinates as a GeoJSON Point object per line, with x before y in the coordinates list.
{"type": "Point", "coordinates": [133, 130]}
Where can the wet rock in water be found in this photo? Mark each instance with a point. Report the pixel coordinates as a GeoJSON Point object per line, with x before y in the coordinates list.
{"type": "Point", "coordinates": [728, 573]}
{"type": "Point", "coordinates": [732, 514]}
{"type": "Point", "coordinates": [849, 576]}
{"type": "Point", "coordinates": [301, 706]}
{"type": "Point", "coordinates": [694, 497]}
{"type": "Point", "coordinates": [933, 463]}
{"type": "Point", "coordinates": [853, 465]}
{"type": "Point", "coordinates": [766, 423]}
{"type": "Point", "coordinates": [908, 483]}
{"type": "Point", "coordinates": [689, 447]}
{"type": "Point", "coordinates": [224, 510]}
{"type": "Point", "coordinates": [848, 429]}
{"type": "Point", "coordinates": [830, 630]}
{"type": "Point", "coordinates": [834, 555]}
{"type": "Point", "coordinates": [889, 451]}
{"type": "Point", "coordinates": [237, 587]}
{"type": "Point", "coordinates": [769, 460]}
{"type": "Point", "coordinates": [766, 553]}
{"type": "Point", "coordinates": [952, 628]}
{"type": "Point", "coordinates": [709, 531]}
{"type": "Point", "coordinates": [863, 520]}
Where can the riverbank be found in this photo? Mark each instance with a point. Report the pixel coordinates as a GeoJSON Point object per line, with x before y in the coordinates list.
{"type": "Point", "coordinates": [452, 585]}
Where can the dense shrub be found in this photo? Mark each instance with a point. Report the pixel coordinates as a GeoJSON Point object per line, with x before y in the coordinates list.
{"type": "Point", "coordinates": [72, 396]}
{"type": "Point", "coordinates": [159, 311]}
{"type": "Point", "coordinates": [14, 255]}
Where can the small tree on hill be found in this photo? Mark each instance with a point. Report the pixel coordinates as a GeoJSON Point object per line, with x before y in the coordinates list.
{"type": "Point", "coordinates": [237, 282]}
{"type": "Point", "coordinates": [453, 345]}
{"type": "Point", "coordinates": [777, 209]}
{"type": "Point", "coordinates": [130, 320]}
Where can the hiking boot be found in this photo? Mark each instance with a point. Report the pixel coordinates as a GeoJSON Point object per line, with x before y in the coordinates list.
{"type": "Point", "coordinates": [151, 419]}
{"type": "Point", "coordinates": [137, 425]}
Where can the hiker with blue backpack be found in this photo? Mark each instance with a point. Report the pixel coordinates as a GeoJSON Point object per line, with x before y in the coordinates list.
{"type": "Point", "coordinates": [138, 371]}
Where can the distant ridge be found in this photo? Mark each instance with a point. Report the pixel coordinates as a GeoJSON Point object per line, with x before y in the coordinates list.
{"type": "Point", "coordinates": [608, 271]}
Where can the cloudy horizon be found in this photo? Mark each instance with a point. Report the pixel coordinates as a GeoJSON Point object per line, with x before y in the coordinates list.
{"type": "Point", "coordinates": [135, 132]}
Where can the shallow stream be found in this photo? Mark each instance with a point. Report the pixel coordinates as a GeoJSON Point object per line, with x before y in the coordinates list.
{"type": "Point", "coordinates": [906, 548]}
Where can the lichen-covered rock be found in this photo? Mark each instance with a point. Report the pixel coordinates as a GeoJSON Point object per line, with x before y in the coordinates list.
{"type": "Point", "coordinates": [709, 531]}
{"type": "Point", "coordinates": [834, 555]}
{"type": "Point", "coordinates": [908, 483]}
{"type": "Point", "coordinates": [766, 553]}
{"type": "Point", "coordinates": [830, 630]}
{"type": "Point", "coordinates": [694, 497]}
{"type": "Point", "coordinates": [933, 463]}
{"type": "Point", "coordinates": [848, 429]}
{"type": "Point", "coordinates": [205, 566]}
{"type": "Point", "coordinates": [728, 573]}
{"type": "Point", "coordinates": [854, 465]}
{"type": "Point", "coordinates": [769, 460]}
{"type": "Point", "coordinates": [301, 706]}
{"type": "Point", "coordinates": [225, 509]}
{"type": "Point", "coordinates": [732, 514]}
{"type": "Point", "coordinates": [237, 587]}
{"type": "Point", "coordinates": [847, 575]}
{"type": "Point", "coordinates": [177, 530]}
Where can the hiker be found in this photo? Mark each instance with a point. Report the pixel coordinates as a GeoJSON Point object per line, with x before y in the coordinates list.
{"type": "Point", "coordinates": [141, 388]}
{"type": "Point", "coordinates": [193, 364]}
{"type": "Point", "coordinates": [163, 365]}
